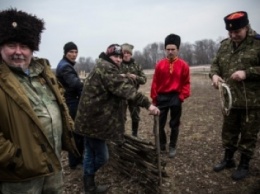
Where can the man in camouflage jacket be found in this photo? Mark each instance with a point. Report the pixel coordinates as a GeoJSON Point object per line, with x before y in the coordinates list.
{"type": "Point", "coordinates": [129, 68]}
{"type": "Point", "coordinates": [237, 63]}
{"type": "Point", "coordinates": [100, 115]}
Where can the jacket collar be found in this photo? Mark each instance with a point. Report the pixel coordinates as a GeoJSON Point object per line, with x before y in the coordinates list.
{"type": "Point", "coordinates": [12, 87]}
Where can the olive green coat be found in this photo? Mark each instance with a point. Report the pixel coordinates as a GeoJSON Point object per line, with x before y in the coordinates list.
{"type": "Point", "coordinates": [25, 152]}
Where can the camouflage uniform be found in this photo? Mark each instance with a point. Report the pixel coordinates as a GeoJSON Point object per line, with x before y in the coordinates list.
{"type": "Point", "coordinates": [132, 67]}
{"type": "Point", "coordinates": [100, 113]}
{"type": "Point", "coordinates": [244, 117]}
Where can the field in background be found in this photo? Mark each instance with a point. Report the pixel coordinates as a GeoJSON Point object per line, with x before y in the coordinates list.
{"type": "Point", "coordinates": [199, 149]}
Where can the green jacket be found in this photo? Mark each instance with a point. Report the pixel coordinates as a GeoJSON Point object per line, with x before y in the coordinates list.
{"type": "Point", "coordinates": [245, 94]}
{"type": "Point", "coordinates": [25, 150]}
{"type": "Point", "coordinates": [101, 108]}
{"type": "Point", "coordinates": [134, 68]}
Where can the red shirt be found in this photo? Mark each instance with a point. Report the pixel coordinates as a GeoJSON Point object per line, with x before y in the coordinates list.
{"type": "Point", "coordinates": [171, 77]}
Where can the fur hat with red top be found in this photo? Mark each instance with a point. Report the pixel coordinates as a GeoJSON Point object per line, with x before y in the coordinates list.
{"type": "Point", "coordinates": [236, 20]}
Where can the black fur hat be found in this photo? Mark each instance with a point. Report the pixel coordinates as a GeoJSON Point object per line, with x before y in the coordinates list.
{"type": "Point", "coordinates": [19, 26]}
{"type": "Point", "coordinates": [236, 20]}
{"type": "Point", "coordinates": [173, 39]}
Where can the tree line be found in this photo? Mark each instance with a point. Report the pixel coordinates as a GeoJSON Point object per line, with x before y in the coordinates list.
{"type": "Point", "coordinates": [201, 52]}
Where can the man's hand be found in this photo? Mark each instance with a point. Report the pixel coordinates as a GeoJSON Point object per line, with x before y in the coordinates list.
{"type": "Point", "coordinates": [154, 110]}
{"type": "Point", "coordinates": [215, 80]}
{"type": "Point", "coordinates": [129, 75]}
{"type": "Point", "coordinates": [239, 75]}
{"type": "Point", "coordinates": [133, 76]}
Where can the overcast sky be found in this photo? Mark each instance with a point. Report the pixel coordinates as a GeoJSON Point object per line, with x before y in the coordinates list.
{"type": "Point", "coordinates": [95, 24]}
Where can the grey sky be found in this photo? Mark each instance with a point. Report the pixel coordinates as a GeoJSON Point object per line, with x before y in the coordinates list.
{"type": "Point", "coordinates": [94, 25]}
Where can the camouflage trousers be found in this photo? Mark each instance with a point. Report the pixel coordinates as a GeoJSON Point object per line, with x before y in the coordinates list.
{"type": "Point", "coordinates": [240, 129]}
{"type": "Point", "coordinates": [134, 112]}
{"type": "Point", "coordinates": [43, 185]}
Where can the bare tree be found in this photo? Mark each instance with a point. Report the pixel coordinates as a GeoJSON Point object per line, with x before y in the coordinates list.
{"type": "Point", "coordinates": [204, 51]}
{"type": "Point", "coordinates": [200, 53]}
{"type": "Point", "coordinates": [186, 52]}
{"type": "Point", "coordinates": [84, 64]}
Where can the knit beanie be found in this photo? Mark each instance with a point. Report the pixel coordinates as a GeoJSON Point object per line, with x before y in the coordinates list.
{"type": "Point", "coordinates": [127, 47]}
{"type": "Point", "coordinates": [173, 39]}
{"type": "Point", "coordinates": [69, 46]}
{"type": "Point", "coordinates": [236, 20]}
{"type": "Point", "coordinates": [114, 49]}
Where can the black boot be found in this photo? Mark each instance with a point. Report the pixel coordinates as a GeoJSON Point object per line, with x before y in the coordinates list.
{"type": "Point", "coordinates": [242, 169]}
{"type": "Point", "coordinates": [227, 162]}
{"type": "Point", "coordinates": [91, 188]}
{"type": "Point", "coordinates": [135, 126]}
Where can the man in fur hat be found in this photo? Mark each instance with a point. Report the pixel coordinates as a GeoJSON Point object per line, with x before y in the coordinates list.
{"type": "Point", "coordinates": [170, 86]}
{"type": "Point", "coordinates": [35, 124]}
{"type": "Point", "coordinates": [238, 64]}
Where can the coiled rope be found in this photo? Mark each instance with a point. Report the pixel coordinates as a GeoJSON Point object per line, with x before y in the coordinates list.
{"type": "Point", "coordinates": [225, 98]}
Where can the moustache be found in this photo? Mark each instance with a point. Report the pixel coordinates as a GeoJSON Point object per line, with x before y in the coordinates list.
{"type": "Point", "coordinates": [18, 57]}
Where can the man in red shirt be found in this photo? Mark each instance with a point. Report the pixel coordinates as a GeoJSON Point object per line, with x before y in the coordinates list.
{"type": "Point", "coordinates": [170, 86]}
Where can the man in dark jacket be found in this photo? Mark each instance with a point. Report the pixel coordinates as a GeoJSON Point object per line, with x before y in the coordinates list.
{"type": "Point", "coordinates": [72, 84]}
{"type": "Point", "coordinates": [100, 115]}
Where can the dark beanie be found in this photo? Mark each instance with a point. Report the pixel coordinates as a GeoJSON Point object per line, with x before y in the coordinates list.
{"type": "Point", "coordinates": [114, 49]}
{"type": "Point", "coordinates": [236, 20]}
{"type": "Point", "coordinates": [173, 39]}
{"type": "Point", "coordinates": [69, 46]}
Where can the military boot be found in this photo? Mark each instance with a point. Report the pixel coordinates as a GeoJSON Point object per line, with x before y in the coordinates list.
{"type": "Point", "coordinates": [135, 126]}
{"type": "Point", "coordinates": [91, 188]}
{"type": "Point", "coordinates": [243, 168]}
{"type": "Point", "coordinates": [227, 162]}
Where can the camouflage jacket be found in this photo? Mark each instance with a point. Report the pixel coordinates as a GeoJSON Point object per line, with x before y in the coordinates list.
{"type": "Point", "coordinates": [134, 68]}
{"type": "Point", "coordinates": [101, 107]}
{"type": "Point", "coordinates": [246, 57]}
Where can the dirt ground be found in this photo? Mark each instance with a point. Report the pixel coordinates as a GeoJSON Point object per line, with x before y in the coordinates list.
{"type": "Point", "coordinates": [199, 149]}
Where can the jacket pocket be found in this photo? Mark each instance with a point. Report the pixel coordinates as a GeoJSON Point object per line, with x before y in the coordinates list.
{"type": "Point", "coordinates": [17, 161]}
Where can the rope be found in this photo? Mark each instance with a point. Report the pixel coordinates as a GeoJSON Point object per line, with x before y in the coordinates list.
{"type": "Point", "coordinates": [223, 91]}
{"type": "Point", "coordinates": [244, 86]}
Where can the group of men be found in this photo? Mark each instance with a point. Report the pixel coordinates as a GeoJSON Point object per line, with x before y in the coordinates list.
{"type": "Point", "coordinates": [43, 113]}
